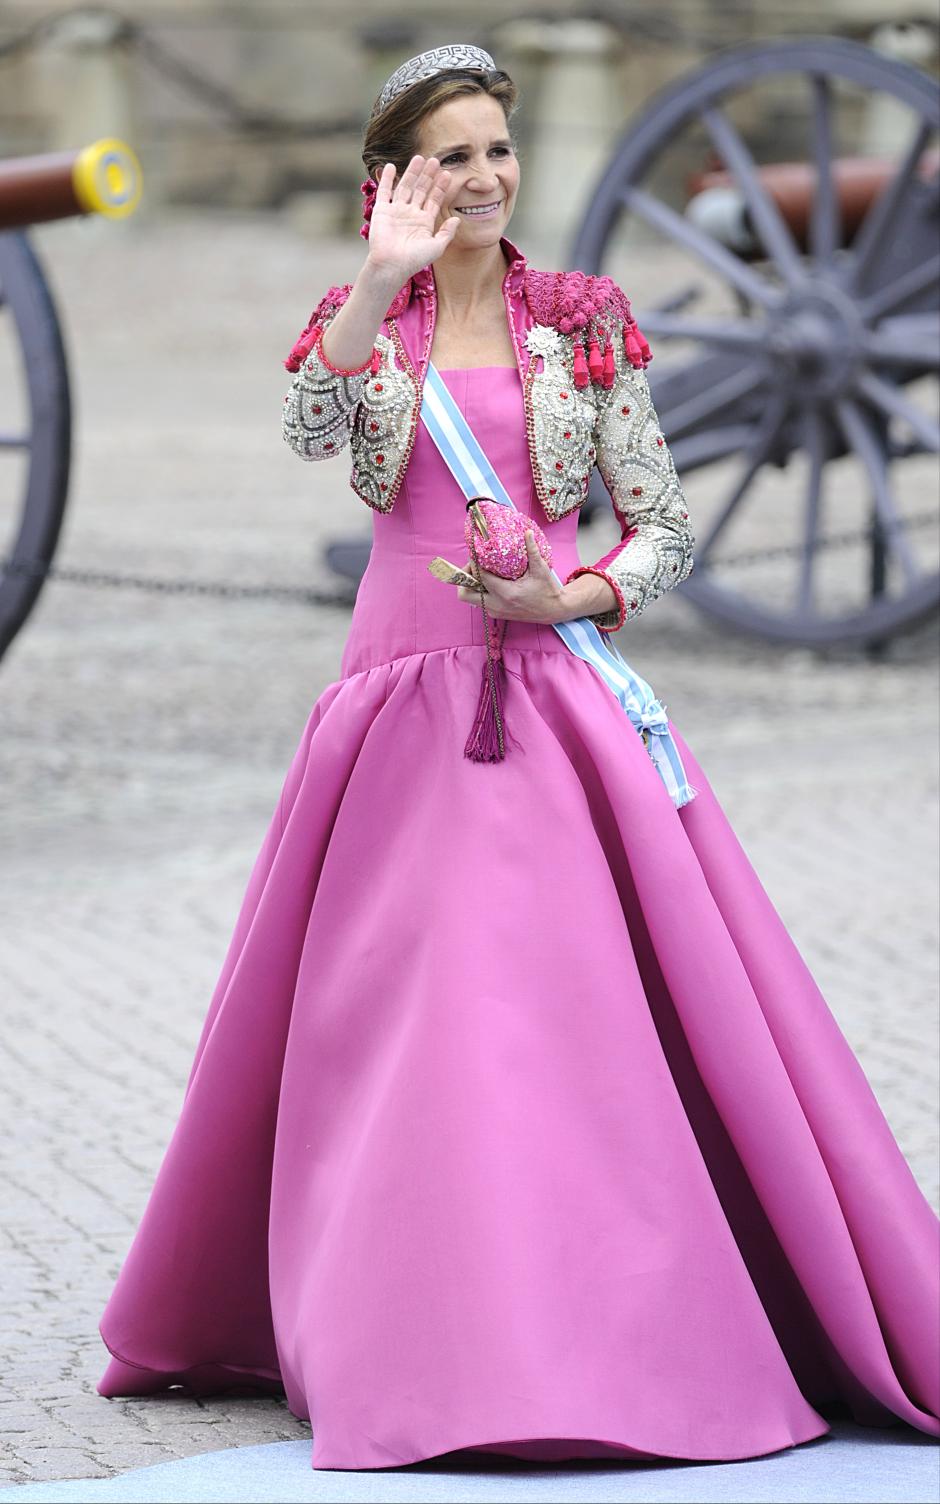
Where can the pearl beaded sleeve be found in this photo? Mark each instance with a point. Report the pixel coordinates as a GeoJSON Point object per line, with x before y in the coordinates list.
{"type": "Point", "coordinates": [320, 408]}
{"type": "Point", "coordinates": [655, 551]}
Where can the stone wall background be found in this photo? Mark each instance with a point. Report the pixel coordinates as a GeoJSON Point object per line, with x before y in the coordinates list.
{"type": "Point", "coordinates": [180, 79]}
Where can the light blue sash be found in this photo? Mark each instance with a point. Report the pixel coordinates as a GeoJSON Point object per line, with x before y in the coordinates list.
{"type": "Point", "coordinates": [465, 458]}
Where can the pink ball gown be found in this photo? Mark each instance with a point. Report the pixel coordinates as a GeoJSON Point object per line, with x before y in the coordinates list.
{"type": "Point", "coordinates": [517, 1122]}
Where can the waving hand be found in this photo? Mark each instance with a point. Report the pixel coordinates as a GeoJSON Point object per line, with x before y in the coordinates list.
{"type": "Point", "coordinates": [401, 231]}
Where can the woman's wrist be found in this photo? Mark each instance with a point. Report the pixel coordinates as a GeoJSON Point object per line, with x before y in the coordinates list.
{"type": "Point", "coordinates": [379, 282]}
{"type": "Point", "coordinates": [347, 344]}
{"type": "Point", "coordinates": [587, 594]}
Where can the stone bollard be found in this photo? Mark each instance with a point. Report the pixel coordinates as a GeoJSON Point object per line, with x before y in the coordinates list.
{"type": "Point", "coordinates": [574, 112]}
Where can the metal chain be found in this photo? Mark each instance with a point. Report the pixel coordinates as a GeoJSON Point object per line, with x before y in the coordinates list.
{"type": "Point", "coordinates": [304, 595]}
{"type": "Point", "coordinates": [832, 540]}
{"type": "Point", "coordinates": [221, 589]}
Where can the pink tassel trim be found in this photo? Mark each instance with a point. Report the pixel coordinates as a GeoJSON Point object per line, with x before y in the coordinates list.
{"type": "Point", "coordinates": [328, 305]}
{"type": "Point", "coordinates": [595, 361]}
{"type": "Point", "coordinates": [302, 348]}
{"type": "Point", "coordinates": [487, 739]}
{"type": "Point", "coordinates": [635, 347]}
{"type": "Point", "coordinates": [590, 308]}
{"type": "Point", "coordinates": [581, 374]}
{"type": "Point", "coordinates": [486, 742]}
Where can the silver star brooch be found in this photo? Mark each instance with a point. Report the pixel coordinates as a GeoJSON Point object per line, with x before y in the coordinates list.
{"type": "Point", "coordinates": [543, 340]}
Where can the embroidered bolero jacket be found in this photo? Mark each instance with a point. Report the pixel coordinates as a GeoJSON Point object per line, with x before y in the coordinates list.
{"type": "Point", "coordinates": [587, 401]}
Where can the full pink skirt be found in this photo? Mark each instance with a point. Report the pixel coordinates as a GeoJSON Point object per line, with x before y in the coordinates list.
{"type": "Point", "coordinates": [517, 1120]}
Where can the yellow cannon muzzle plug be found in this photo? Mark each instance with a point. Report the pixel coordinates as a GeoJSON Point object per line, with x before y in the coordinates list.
{"type": "Point", "coordinates": [107, 179]}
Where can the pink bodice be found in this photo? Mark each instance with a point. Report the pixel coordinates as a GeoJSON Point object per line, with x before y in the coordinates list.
{"type": "Point", "coordinates": [402, 609]}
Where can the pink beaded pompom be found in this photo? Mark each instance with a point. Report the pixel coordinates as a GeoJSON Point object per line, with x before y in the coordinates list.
{"type": "Point", "coordinates": [503, 551]}
{"type": "Point", "coordinates": [368, 189]}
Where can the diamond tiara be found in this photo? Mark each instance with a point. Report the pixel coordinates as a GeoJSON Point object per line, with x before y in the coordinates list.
{"type": "Point", "coordinates": [438, 60]}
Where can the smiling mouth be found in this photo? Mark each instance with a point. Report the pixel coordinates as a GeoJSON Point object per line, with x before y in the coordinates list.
{"type": "Point", "coordinates": [481, 211]}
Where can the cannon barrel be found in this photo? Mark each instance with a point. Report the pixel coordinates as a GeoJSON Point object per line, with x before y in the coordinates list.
{"type": "Point", "coordinates": [103, 178]}
{"type": "Point", "coordinates": [717, 203]}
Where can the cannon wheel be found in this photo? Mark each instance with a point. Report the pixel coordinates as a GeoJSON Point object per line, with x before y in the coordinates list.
{"type": "Point", "coordinates": [33, 491]}
{"type": "Point", "coordinates": [815, 353]}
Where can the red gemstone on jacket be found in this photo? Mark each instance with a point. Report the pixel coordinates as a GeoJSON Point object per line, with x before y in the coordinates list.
{"type": "Point", "coordinates": [380, 459]}
{"type": "Point", "coordinates": [624, 410]}
{"type": "Point", "coordinates": [638, 490]}
{"type": "Point", "coordinates": [378, 387]}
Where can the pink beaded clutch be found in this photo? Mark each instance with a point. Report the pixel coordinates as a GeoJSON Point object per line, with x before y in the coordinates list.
{"type": "Point", "coordinates": [495, 537]}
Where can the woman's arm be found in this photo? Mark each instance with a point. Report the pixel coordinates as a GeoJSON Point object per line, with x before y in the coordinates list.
{"type": "Point", "coordinates": [588, 593]}
{"type": "Point", "coordinates": [656, 537]}
{"type": "Point", "coordinates": [332, 357]}
{"type": "Point", "coordinates": [352, 331]}
{"type": "Point", "coordinates": [320, 408]}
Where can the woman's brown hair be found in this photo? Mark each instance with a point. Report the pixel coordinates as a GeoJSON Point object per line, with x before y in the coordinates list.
{"type": "Point", "coordinates": [391, 134]}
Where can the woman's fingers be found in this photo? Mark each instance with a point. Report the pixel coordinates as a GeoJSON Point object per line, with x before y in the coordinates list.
{"type": "Point", "coordinates": [438, 188]}
{"type": "Point", "coordinates": [425, 182]}
{"type": "Point", "coordinates": [404, 193]}
{"type": "Point", "coordinates": [422, 177]}
{"type": "Point", "coordinates": [447, 231]}
{"type": "Point", "coordinates": [536, 560]}
{"type": "Point", "coordinates": [403, 188]}
{"type": "Point", "coordinates": [383, 192]}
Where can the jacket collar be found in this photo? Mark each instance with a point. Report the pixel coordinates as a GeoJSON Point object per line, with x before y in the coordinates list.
{"type": "Point", "coordinates": [422, 283]}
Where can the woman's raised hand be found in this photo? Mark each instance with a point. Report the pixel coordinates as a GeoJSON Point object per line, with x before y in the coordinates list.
{"type": "Point", "coordinates": [402, 238]}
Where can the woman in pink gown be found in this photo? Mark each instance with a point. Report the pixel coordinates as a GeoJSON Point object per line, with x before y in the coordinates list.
{"type": "Point", "coordinates": [517, 1122]}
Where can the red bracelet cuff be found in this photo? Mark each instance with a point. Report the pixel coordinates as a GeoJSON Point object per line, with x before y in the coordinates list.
{"type": "Point", "coordinates": [621, 606]}
{"type": "Point", "coordinates": [339, 370]}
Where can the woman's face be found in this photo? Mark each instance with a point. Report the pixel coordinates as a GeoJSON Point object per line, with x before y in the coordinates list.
{"type": "Point", "coordinates": [470, 137]}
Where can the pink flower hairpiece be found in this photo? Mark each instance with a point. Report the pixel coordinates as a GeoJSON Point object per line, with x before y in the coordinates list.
{"type": "Point", "coordinates": [368, 189]}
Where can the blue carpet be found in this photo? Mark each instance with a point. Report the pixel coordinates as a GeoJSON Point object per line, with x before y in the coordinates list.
{"type": "Point", "coordinates": [853, 1463]}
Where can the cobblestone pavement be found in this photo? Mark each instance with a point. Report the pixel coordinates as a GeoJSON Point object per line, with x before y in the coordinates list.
{"type": "Point", "coordinates": [144, 740]}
